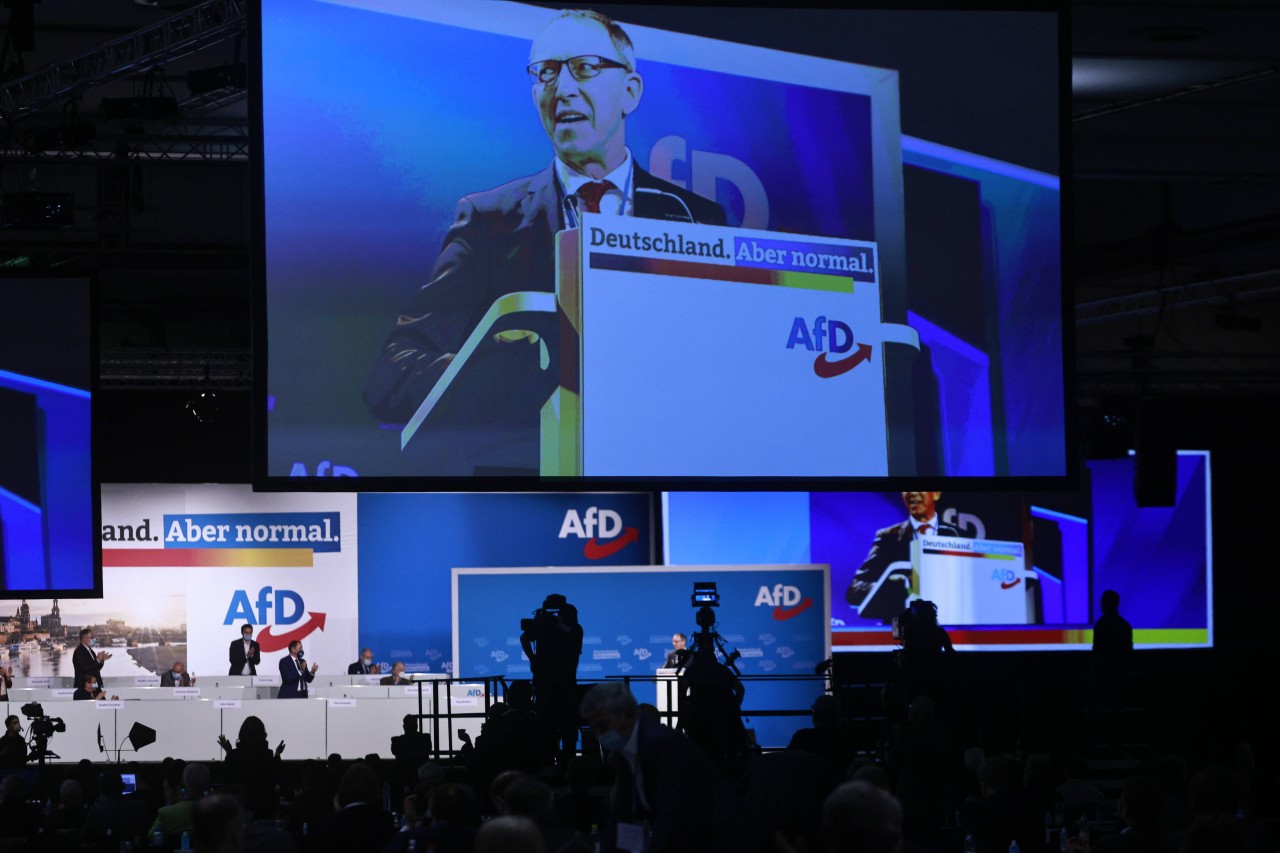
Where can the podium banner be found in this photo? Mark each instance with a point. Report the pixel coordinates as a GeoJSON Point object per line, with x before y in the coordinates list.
{"type": "Point", "coordinates": [714, 351]}
{"type": "Point", "coordinates": [974, 581]}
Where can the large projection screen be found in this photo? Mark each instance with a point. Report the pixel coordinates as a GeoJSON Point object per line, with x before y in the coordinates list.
{"type": "Point", "coordinates": [834, 243]}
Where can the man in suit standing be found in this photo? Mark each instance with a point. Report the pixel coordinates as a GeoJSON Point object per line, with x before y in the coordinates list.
{"type": "Point", "coordinates": [585, 85]}
{"type": "Point", "coordinates": [893, 545]}
{"type": "Point", "coordinates": [245, 654]}
{"type": "Point", "coordinates": [364, 666]}
{"type": "Point", "coordinates": [85, 661]}
{"type": "Point", "coordinates": [294, 674]}
{"type": "Point", "coordinates": [664, 779]}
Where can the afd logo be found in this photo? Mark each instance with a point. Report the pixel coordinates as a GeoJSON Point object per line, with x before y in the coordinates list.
{"type": "Point", "coordinates": [786, 601]}
{"type": "Point", "coordinates": [1008, 578]}
{"type": "Point", "coordinates": [603, 530]}
{"type": "Point", "coordinates": [273, 608]}
{"type": "Point", "coordinates": [828, 336]}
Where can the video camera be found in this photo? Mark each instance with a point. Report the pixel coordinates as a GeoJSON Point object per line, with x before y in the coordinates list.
{"type": "Point", "coordinates": [704, 598]}
{"type": "Point", "coordinates": [42, 726]}
{"type": "Point", "coordinates": [546, 615]}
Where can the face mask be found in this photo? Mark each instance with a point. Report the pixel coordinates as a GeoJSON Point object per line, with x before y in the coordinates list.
{"type": "Point", "coordinates": [247, 636]}
{"type": "Point", "coordinates": [368, 661]}
{"type": "Point", "coordinates": [611, 741]}
{"type": "Point", "coordinates": [299, 652]}
{"type": "Point", "coordinates": [93, 688]}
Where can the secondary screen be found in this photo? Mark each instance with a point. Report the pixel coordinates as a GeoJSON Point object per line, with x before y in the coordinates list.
{"type": "Point", "coordinates": [505, 241]}
{"type": "Point", "coordinates": [1008, 571]}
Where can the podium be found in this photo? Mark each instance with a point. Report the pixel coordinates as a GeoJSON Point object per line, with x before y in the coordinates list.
{"type": "Point", "coordinates": [975, 581]}
{"type": "Point", "coordinates": [675, 349]}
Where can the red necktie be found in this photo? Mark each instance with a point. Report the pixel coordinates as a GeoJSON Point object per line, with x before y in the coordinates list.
{"type": "Point", "coordinates": [592, 192]}
{"type": "Point", "coordinates": [923, 530]}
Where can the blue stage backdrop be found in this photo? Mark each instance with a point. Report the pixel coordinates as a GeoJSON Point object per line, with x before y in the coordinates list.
{"type": "Point", "coordinates": [774, 615]}
{"type": "Point", "coordinates": [410, 542]}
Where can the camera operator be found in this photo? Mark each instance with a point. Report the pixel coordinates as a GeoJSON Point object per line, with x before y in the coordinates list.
{"type": "Point", "coordinates": [13, 747]}
{"type": "Point", "coordinates": [552, 640]}
{"type": "Point", "coordinates": [922, 660]}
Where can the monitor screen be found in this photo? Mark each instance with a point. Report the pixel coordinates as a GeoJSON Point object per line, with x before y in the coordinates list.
{"type": "Point", "coordinates": [48, 501]}
{"type": "Point", "coordinates": [502, 242]}
{"type": "Point", "coordinates": [1009, 571]}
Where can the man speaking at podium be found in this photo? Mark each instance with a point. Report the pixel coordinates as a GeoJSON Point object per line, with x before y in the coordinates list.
{"type": "Point", "coordinates": [893, 545]}
{"type": "Point", "coordinates": [585, 85]}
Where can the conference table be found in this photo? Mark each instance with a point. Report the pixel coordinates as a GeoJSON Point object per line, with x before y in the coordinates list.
{"type": "Point", "coordinates": [352, 716]}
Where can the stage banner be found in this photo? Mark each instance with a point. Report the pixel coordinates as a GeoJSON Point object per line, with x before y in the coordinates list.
{"type": "Point", "coordinates": [411, 542]}
{"type": "Point", "coordinates": [775, 616]}
{"type": "Point", "coordinates": [184, 567]}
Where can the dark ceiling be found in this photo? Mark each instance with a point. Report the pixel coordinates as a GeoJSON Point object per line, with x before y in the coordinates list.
{"type": "Point", "coordinates": [1175, 268]}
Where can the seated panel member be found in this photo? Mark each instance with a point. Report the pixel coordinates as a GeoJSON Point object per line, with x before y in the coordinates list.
{"type": "Point", "coordinates": [177, 676]}
{"type": "Point", "coordinates": [585, 86]}
{"type": "Point", "coordinates": [294, 674]}
{"type": "Point", "coordinates": [893, 545]}
{"type": "Point", "coordinates": [90, 688]}
{"type": "Point", "coordinates": [397, 675]}
{"type": "Point", "coordinates": [245, 655]}
{"type": "Point", "coordinates": [364, 666]}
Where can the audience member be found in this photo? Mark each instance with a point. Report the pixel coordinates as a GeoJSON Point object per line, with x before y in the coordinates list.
{"type": "Point", "coordinates": [529, 796]}
{"type": "Point", "coordinates": [509, 834]}
{"type": "Point", "coordinates": [858, 817]}
{"type": "Point", "coordinates": [173, 820]}
{"type": "Point", "coordinates": [827, 739]}
{"type": "Point", "coordinates": [18, 818]}
{"type": "Point", "coordinates": [451, 828]}
{"type": "Point", "coordinates": [217, 825]}
{"type": "Point", "coordinates": [663, 778]}
{"type": "Point", "coordinates": [1140, 810]}
{"type": "Point", "coordinates": [578, 807]}
{"type": "Point", "coordinates": [359, 825]}
{"type": "Point", "coordinates": [113, 815]}
{"type": "Point", "coordinates": [411, 749]}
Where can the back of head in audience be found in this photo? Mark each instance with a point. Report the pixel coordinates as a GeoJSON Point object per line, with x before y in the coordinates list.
{"type": "Point", "coordinates": [455, 804]}
{"type": "Point", "coordinates": [529, 796]}
{"type": "Point", "coordinates": [498, 789]}
{"type": "Point", "coordinates": [195, 778]}
{"type": "Point", "coordinates": [858, 817]}
{"type": "Point", "coordinates": [217, 825]}
{"type": "Point", "coordinates": [359, 785]}
{"type": "Point", "coordinates": [1141, 800]}
{"type": "Point", "coordinates": [826, 711]}
{"type": "Point", "coordinates": [70, 794]}
{"type": "Point", "coordinates": [509, 834]}
{"type": "Point", "coordinates": [1214, 791]}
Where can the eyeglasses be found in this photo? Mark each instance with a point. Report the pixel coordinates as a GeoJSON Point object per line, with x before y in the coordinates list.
{"type": "Point", "coordinates": [581, 67]}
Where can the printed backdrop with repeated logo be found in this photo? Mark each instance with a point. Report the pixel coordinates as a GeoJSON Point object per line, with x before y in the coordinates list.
{"type": "Point", "coordinates": [410, 543]}
{"type": "Point", "coordinates": [184, 567]}
{"type": "Point", "coordinates": [775, 616]}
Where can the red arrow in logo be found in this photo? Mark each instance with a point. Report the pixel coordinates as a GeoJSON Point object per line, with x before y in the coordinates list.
{"type": "Point", "coordinates": [827, 369]}
{"type": "Point", "coordinates": [1010, 584]}
{"type": "Point", "coordinates": [783, 613]}
{"type": "Point", "coordinates": [594, 550]}
{"type": "Point", "coordinates": [270, 642]}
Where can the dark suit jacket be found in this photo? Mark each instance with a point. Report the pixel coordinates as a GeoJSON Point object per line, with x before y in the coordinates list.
{"type": "Point", "coordinates": [85, 660]}
{"type": "Point", "coordinates": [501, 241]}
{"type": "Point", "coordinates": [892, 545]}
{"type": "Point", "coordinates": [357, 668]}
{"type": "Point", "coordinates": [391, 679]}
{"type": "Point", "coordinates": [167, 679]}
{"type": "Point", "coordinates": [293, 684]}
{"type": "Point", "coordinates": [690, 805]}
{"type": "Point", "coordinates": [236, 655]}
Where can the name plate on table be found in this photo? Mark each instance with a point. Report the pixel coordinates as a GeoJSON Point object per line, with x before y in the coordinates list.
{"type": "Point", "coordinates": [40, 681]}
{"type": "Point", "coordinates": [226, 704]}
{"type": "Point", "coordinates": [266, 681]}
{"type": "Point", "coordinates": [187, 691]}
{"type": "Point", "coordinates": [63, 693]}
{"type": "Point", "coordinates": [466, 701]}
{"type": "Point", "coordinates": [412, 690]}
{"type": "Point", "coordinates": [371, 679]}
{"type": "Point", "coordinates": [344, 702]}
{"type": "Point", "coordinates": [110, 704]}
{"type": "Point", "coordinates": [146, 681]}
